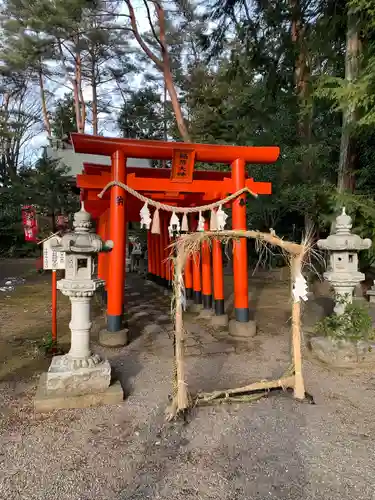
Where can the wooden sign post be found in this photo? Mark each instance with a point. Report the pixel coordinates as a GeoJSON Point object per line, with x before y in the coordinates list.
{"type": "Point", "coordinates": [53, 260]}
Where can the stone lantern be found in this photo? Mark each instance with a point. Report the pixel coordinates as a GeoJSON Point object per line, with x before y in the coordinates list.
{"type": "Point", "coordinates": [80, 372]}
{"type": "Point", "coordinates": [342, 272]}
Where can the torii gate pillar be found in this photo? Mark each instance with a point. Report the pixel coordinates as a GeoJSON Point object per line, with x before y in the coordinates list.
{"type": "Point", "coordinates": [115, 334]}
{"type": "Point", "coordinates": [241, 326]}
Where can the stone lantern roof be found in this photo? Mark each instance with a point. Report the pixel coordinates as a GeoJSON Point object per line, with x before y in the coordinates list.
{"type": "Point", "coordinates": [343, 239]}
{"type": "Point", "coordinates": [83, 239]}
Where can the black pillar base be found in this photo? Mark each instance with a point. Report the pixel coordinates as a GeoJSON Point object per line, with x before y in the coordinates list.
{"type": "Point", "coordinates": [197, 297]}
{"type": "Point", "coordinates": [219, 307]}
{"type": "Point", "coordinates": [242, 315]}
{"type": "Point", "coordinates": [189, 293]}
{"type": "Point", "coordinates": [114, 322]}
{"type": "Point", "coordinates": [207, 301]}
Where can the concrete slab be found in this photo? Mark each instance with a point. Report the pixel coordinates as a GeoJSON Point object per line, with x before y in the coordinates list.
{"type": "Point", "coordinates": [44, 402]}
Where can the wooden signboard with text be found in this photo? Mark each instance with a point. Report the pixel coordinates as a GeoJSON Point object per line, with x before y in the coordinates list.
{"type": "Point", "coordinates": [183, 165]}
{"type": "Point", "coordinates": [51, 258]}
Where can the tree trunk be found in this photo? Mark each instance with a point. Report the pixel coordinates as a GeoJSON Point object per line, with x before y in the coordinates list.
{"type": "Point", "coordinates": [348, 153]}
{"type": "Point", "coordinates": [163, 64]}
{"type": "Point", "coordinates": [303, 92]}
{"type": "Point", "coordinates": [82, 104]}
{"type": "Point", "coordinates": [46, 120]}
{"type": "Point", "coordinates": [168, 77]}
{"type": "Point", "coordinates": [75, 85]}
{"type": "Point", "coordinates": [95, 126]}
{"type": "Point", "coordinates": [77, 106]}
{"type": "Point", "coordinates": [182, 128]}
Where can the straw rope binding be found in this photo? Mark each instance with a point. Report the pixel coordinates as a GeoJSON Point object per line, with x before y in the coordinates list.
{"type": "Point", "coordinates": [187, 245]}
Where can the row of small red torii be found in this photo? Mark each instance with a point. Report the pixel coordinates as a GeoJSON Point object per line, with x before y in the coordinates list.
{"type": "Point", "coordinates": [181, 186]}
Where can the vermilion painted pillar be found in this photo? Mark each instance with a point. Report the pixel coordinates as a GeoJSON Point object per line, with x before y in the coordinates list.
{"type": "Point", "coordinates": [116, 275]}
{"type": "Point", "coordinates": [167, 249]}
{"type": "Point", "coordinates": [148, 251]}
{"type": "Point", "coordinates": [218, 276]}
{"type": "Point", "coordinates": [107, 255]}
{"type": "Point", "coordinates": [163, 245]}
{"type": "Point", "coordinates": [101, 230]}
{"type": "Point", "coordinates": [206, 272]}
{"type": "Point", "coordinates": [188, 277]}
{"type": "Point", "coordinates": [152, 254]}
{"type": "Point", "coordinates": [240, 271]}
{"type": "Point", "coordinates": [158, 256]}
{"type": "Point", "coordinates": [196, 264]}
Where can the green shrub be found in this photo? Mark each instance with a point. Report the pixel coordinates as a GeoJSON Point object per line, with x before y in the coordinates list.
{"type": "Point", "coordinates": [354, 324]}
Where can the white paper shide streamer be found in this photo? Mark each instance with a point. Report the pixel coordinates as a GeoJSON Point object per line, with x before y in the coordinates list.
{"type": "Point", "coordinates": [145, 217]}
{"type": "Point", "coordinates": [185, 224]}
{"type": "Point", "coordinates": [200, 222]}
{"type": "Point", "coordinates": [300, 289]}
{"type": "Point", "coordinates": [175, 221]}
{"type": "Point", "coordinates": [221, 219]}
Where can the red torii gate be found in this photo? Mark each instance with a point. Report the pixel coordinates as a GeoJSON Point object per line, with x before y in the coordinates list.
{"type": "Point", "coordinates": [187, 188]}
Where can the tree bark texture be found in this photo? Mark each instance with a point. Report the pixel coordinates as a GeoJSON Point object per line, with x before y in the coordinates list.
{"type": "Point", "coordinates": [46, 120]}
{"type": "Point", "coordinates": [348, 149]}
{"type": "Point", "coordinates": [163, 63]}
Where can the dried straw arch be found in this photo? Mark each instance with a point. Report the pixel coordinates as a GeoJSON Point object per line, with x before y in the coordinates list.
{"type": "Point", "coordinates": [187, 245]}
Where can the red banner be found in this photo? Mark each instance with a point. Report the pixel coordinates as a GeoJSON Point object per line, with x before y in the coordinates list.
{"type": "Point", "coordinates": [30, 223]}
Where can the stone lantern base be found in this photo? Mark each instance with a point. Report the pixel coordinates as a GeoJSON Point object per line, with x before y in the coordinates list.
{"type": "Point", "coordinates": [77, 383]}
{"type": "Point", "coordinates": [44, 401]}
{"type": "Point", "coordinates": [67, 375]}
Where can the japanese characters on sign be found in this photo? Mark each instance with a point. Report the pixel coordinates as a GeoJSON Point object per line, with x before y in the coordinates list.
{"type": "Point", "coordinates": [183, 166]}
{"type": "Point", "coordinates": [51, 258]}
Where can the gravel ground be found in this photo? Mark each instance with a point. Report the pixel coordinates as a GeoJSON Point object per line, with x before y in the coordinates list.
{"type": "Point", "coordinates": [275, 448]}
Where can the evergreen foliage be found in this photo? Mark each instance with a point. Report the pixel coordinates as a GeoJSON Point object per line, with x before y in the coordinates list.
{"type": "Point", "coordinates": [247, 72]}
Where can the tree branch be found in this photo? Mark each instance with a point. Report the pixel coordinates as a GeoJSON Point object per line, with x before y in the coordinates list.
{"type": "Point", "coordinates": [138, 37]}
{"type": "Point", "coordinates": [151, 24]}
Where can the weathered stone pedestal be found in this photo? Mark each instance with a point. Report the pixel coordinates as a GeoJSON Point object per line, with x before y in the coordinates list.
{"type": "Point", "coordinates": [78, 376]}
{"type": "Point", "coordinates": [343, 353]}
{"type": "Point", "coordinates": [113, 339]}
{"type": "Point", "coordinates": [206, 314]}
{"type": "Point", "coordinates": [220, 321]}
{"type": "Point", "coordinates": [242, 330]}
{"type": "Point", "coordinates": [46, 401]}
{"type": "Point", "coordinates": [195, 308]}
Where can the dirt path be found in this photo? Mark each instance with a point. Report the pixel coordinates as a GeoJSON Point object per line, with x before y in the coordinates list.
{"type": "Point", "coordinates": [273, 449]}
